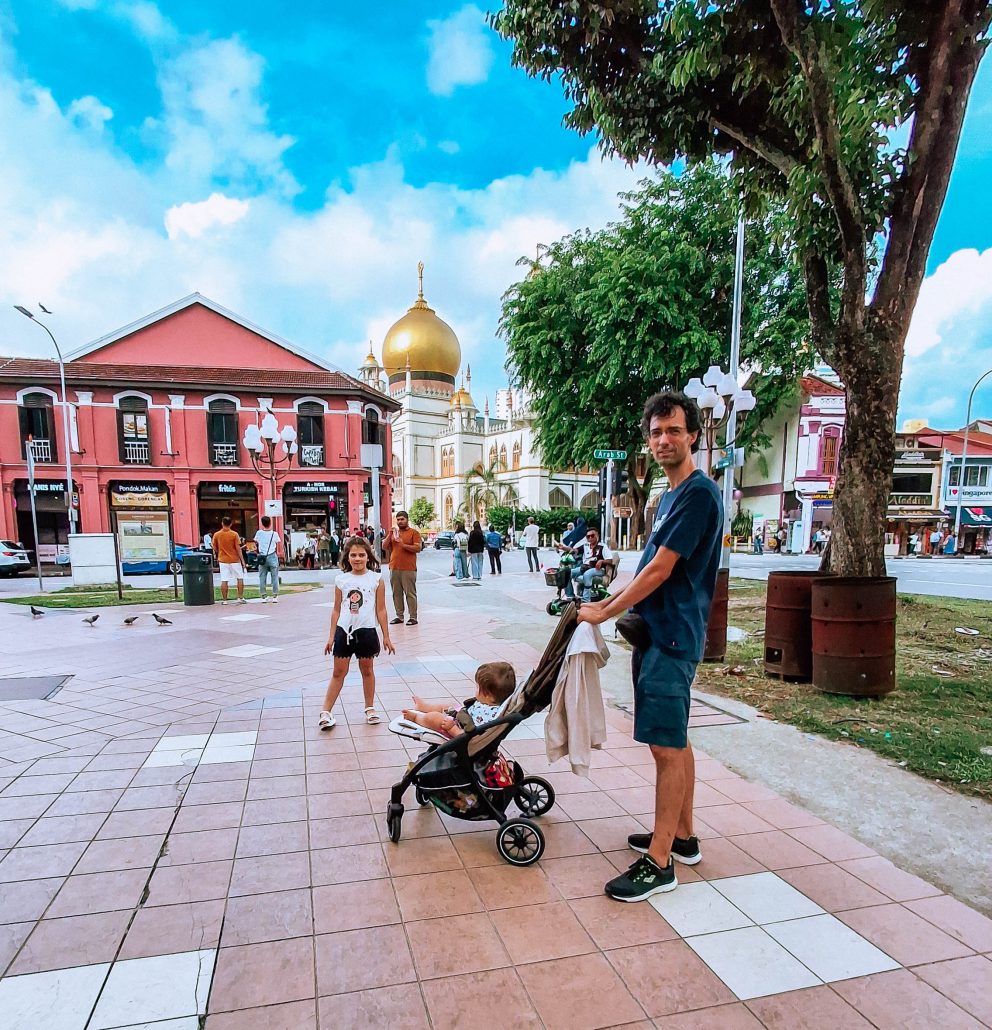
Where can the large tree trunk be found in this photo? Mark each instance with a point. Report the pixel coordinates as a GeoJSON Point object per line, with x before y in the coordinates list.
{"type": "Point", "coordinates": [862, 490]}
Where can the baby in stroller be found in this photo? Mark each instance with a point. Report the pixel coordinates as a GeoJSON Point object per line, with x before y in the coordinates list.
{"type": "Point", "coordinates": [494, 681]}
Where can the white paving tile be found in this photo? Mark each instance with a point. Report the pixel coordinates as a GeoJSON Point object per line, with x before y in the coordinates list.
{"type": "Point", "coordinates": [830, 949]}
{"type": "Point", "coordinates": [243, 617]}
{"type": "Point", "coordinates": [219, 755]}
{"type": "Point", "coordinates": [58, 1000]}
{"type": "Point", "coordinates": [146, 990]}
{"type": "Point", "coordinates": [164, 759]}
{"type": "Point", "coordinates": [246, 651]}
{"type": "Point", "coordinates": [766, 898]}
{"type": "Point", "coordinates": [232, 739]}
{"type": "Point", "coordinates": [181, 743]}
{"type": "Point", "coordinates": [750, 963]}
{"type": "Point", "coordinates": [698, 908]}
{"type": "Point", "coordinates": [183, 1023]}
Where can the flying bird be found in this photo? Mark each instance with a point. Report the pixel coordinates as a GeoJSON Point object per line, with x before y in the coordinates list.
{"type": "Point", "coordinates": [91, 621]}
{"type": "Point", "coordinates": [36, 612]}
{"type": "Point", "coordinates": [131, 620]}
{"type": "Point", "coordinates": [43, 308]}
{"type": "Point", "coordinates": [160, 620]}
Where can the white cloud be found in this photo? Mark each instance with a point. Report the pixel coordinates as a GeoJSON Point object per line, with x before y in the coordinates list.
{"type": "Point", "coordinates": [194, 219]}
{"type": "Point", "coordinates": [89, 112]}
{"type": "Point", "coordinates": [459, 50]}
{"type": "Point", "coordinates": [960, 287]}
{"type": "Point", "coordinates": [448, 146]}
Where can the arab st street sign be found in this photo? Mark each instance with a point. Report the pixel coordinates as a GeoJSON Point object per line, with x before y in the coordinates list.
{"type": "Point", "coordinates": [606, 455]}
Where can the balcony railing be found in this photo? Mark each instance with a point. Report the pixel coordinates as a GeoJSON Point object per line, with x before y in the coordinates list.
{"type": "Point", "coordinates": [137, 452]}
{"type": "Point", "coordinates": [312, 455]}
{"type": "Point", "coordinates": [224, 453]}
{"type": "Point", "coordinates": [42, 450]}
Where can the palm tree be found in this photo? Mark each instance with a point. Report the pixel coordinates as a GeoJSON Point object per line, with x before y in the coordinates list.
{"type": "Point", "coordinates": [482, 490]}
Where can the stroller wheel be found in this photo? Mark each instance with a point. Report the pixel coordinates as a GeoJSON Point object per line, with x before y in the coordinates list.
{"type": "Point", "coordinates": [552, 608]}
{"type": "Point", "coordinates": [421, 797]}
{"type": "Point", "coordinates": [534, 796]}
{"type": "Point", "coordinates": [520, 841]}
{"type": "Point", "coordinates": [394, 819]}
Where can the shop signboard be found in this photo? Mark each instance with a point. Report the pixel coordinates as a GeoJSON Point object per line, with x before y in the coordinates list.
{"type": "Point", "coordinates": [130, 496]}
{"type": "Point", "coordinates": [227, 490]}
{"type": "Point", "coordinates": [315, 489]}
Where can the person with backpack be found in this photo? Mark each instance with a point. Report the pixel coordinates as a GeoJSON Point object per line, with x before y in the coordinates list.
{"type": "Point", "coordinates": [494, 548]}
{"type": "Point", "coordinates": [267, 542]}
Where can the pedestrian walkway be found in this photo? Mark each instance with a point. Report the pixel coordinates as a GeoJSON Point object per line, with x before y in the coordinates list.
{"type": "Point", "coordinates": [178, 839]}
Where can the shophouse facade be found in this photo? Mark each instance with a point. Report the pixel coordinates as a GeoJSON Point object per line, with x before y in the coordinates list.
{"type": "Point", "coordinates": [974, 494]}
{"type": "Point", "coordinates": [157, 413]}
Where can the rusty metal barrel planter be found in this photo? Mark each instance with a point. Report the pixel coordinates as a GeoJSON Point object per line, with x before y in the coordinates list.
{"type": "Point", "coordinates": [854, 635]}
{"type": "Point", "coordinates": [788, 625]}
{"type": "Point", "coordinates": [716, 628]}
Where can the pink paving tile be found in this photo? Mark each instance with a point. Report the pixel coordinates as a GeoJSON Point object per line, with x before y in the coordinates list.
{"type": "Point", "coordinates": [422, 855]}
{"type": "Point", "coordinates": [479, 848]}
{"type": "Point", "coordinates": [534, 933]}
{"type": "Point", "coordinates": [276, 787]}
{"type": "Point", "coordinates": [636, 800]}
{"type": "Point", "coordinates": [447, 893]}
{"type": "Point", "coordinates": [903, 935]}
{"type": "Point", "coordinates": [614, 926]}
{"type": "Point", "coordinates": [353, 906]}
{"type": "Point", "coordinates": [41, 862]}
{"type": "Point", "coordinates": [960, 921]}
{"type": "Point", "coordinates": [215, 792]}
{"type": "Point", "coordinates": [579, 876]}
{"type": "Point", "coordinates": [256, 975]}
{"type": "Point", "coordinates": [734, 819]}
{"type": "Point", "coordinates": [12, 936]}
{"type": "Point", "coordinates": [140, 822]}
{"type": "Point", "coordinates": [832, 888]}
{"type": "Point", "coordinates": [99, 892]}
{"type": "Point", "coordinates": [358, 960]}
{"type": "Point", "coordinates": [294, 1015]}
{"type": "Point", "coordinates": [669, 977]}
{"type": "Point", "coordinates": [720, 1017]}
{"type": "Point", "coordinates": [833, 844]}
{"type": "Point", "coordinates": [610, 834]}
{"type": "Point", "coordinates": [965, 981]}
{"type": "Point", "coordinates": [741, 790]}
{"type": "Point", "coordinates": [777, 850]}
{"type": "Point", "coordinates": [200, 846]}
{"type": "Point", "coordinates": [399, 1008]}
{"type": "Point", "coordinates": [26, 900]}
{"type": "Point", "coordinates": [456, 1002]}
{"type": "Point", "coordinates": [721, 857]}
{"type": "Point", "coordinates": [275, 810]}
{"type": "Point", "coordinates": [781, 814]}
{"type": "Point", "coordinates": [893, 882]}
{"type": "Point", "coordinates": [208, 817]}
{"type": "Point", "coordinates": [579, 993]}
{"type": "Point", "coordinates": [171, 929]}
{"type": "Point", "coordinates": [456, 945]}
{"type": "Point", "coordinates": [268, 917]}
{"type": "Point", "coordinates": [200, 881]}
{"type": "Point", "coordinates": [74, 941]}
{"type": "Point", "coordinates": [61, 830]}
{"type": "Point", "coordinates": [900, 1001]}
{"type": "Point", "coordinates": [86, 801]}
{"type": "Point", "coordinates": [269, 839]}
{"type": "Point", "coordinates": [816, 1008]}
{"type": "Point", "coordinates": [270, 873]}
{"type": "Point", "coordinates": [503, 886]}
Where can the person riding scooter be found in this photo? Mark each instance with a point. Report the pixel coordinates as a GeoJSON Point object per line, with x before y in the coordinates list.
{"type": "Point", "coordinates": [593, 561]}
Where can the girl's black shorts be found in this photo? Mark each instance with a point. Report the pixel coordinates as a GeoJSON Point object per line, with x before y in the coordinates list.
{"type": "Point", "coordinates": [364, 643]}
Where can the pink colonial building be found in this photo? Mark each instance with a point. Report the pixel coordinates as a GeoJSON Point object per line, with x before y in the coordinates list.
{"type": "Point", "coordinates": [157, 412]}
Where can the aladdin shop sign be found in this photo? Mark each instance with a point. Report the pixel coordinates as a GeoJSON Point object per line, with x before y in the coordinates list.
{"type": "Point", "coordinates": [139, 495]}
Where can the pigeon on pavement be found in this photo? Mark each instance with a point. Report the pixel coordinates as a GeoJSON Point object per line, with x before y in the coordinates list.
{"type": "Point", "coordinates": [91, 621]}
{"type": "Point", "coordinates": [161, 620]}
{"type": "Point", "coordinates": [36, 612]}
{"type": "Point", "coordinates": [131, 620]}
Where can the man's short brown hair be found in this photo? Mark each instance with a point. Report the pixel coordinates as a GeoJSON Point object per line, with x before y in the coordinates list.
{"type": "Point", "coordinates": [497, 679]}
{"type": "Point", "coordinates": [226, 521]}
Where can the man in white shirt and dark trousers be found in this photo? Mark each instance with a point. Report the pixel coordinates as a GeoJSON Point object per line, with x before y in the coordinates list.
{"type": "Point", "coordinates": [267, 542]}
{"type": "Point", "coordinates": [531, 532]}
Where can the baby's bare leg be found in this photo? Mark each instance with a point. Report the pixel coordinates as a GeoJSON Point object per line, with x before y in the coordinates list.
{"type": "Point", "coordinates": [428, 706]}
{"type": "Point", "coordinates": [437, 721]}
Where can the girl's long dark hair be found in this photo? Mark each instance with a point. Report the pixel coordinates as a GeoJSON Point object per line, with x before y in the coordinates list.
{"type": "Point", "coordinates": [359, 541]}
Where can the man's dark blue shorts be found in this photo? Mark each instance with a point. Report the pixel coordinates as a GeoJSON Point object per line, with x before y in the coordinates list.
{"type": "Point", "coordinates": [661, 698]}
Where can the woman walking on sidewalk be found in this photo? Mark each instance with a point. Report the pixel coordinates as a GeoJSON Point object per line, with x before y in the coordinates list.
{"type": "Point", "coordinates": [460, 551]}
{"type": "Point", "coordinates": [476, 549]}
{"type": "Point", "coordinates": [359, 603]}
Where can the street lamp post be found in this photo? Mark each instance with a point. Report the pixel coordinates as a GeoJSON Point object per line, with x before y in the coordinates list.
{"type": "Point", "coordinates": [964, 461]}
{"type": "Point", "coordinates": [260, 441]}
{"type": "Point", "coordinates": [65, 418]}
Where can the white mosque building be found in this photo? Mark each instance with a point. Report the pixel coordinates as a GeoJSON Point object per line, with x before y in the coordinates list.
{"type": "Point", "coordinates": [440, 435]}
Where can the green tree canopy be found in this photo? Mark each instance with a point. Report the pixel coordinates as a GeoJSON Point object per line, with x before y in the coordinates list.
{"type": "Point", "coordinates": [422, 512]}
{"type": "Point", "coordinates": [608, 318]}
{"type": "Point", "coordinates": [849, 111]}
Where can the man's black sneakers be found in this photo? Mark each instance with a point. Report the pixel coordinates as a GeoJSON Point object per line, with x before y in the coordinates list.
{"type": "Point", "coordinates": [642, 880]}
{"type": "Point", "coordinates": [684, 850]}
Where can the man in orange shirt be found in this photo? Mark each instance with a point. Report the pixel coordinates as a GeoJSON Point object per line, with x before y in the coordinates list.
{"type": "Point", "coordinates": [227, 551]}
{"type": "Point", "coordinates": [402, 546]}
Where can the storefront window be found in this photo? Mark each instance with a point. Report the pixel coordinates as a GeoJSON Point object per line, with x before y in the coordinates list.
{"type": "Point", "coordinates": [132, 431]}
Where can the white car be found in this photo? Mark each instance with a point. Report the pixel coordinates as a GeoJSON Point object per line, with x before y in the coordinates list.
{"type": "Point", "coordinates": [13, 558]}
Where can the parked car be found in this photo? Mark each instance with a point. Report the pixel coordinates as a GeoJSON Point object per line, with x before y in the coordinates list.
{"type": "Point", "coordinates": [133, 568]}
{"type": "Point", "coordinates": [442, 540]}
{"type": "Point", "coordinates": [14, 558]}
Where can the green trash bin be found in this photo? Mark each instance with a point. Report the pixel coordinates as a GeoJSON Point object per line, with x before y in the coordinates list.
{"type": "Point", "coordinates": [198, 578]}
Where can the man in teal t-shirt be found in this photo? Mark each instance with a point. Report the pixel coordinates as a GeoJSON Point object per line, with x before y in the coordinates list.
{"type": "Point", "coordinates": [672, 591]}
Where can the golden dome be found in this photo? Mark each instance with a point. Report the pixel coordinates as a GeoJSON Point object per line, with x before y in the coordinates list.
{"type": "Point", "coordinates": [423, 339]}
{"type": "Point", "coordinates": [462, 398]}
{"type": "Point", "coordinates": [370, 361]}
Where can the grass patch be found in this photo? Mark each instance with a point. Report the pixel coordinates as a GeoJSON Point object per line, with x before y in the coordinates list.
{"type": "Point", "coordinates": [106, 596]}
{"type": "Point", "coordinates": [935, 723]}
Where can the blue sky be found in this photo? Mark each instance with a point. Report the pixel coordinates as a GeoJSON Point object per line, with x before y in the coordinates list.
{"type": "Point", "coordinates": [295, 166]}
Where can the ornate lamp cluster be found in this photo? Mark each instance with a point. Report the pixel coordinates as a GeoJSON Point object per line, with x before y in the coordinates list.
{"type": "Point", "coordinates": [261, 440]}
{"type": "Point", "coordinates": [718, 394]}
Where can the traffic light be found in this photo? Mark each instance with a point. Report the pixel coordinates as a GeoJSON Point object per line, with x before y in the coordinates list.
{"type": "Point", "coordinates": [621, 480]}
{"type": "Point", "coordinates": [604, 486]}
